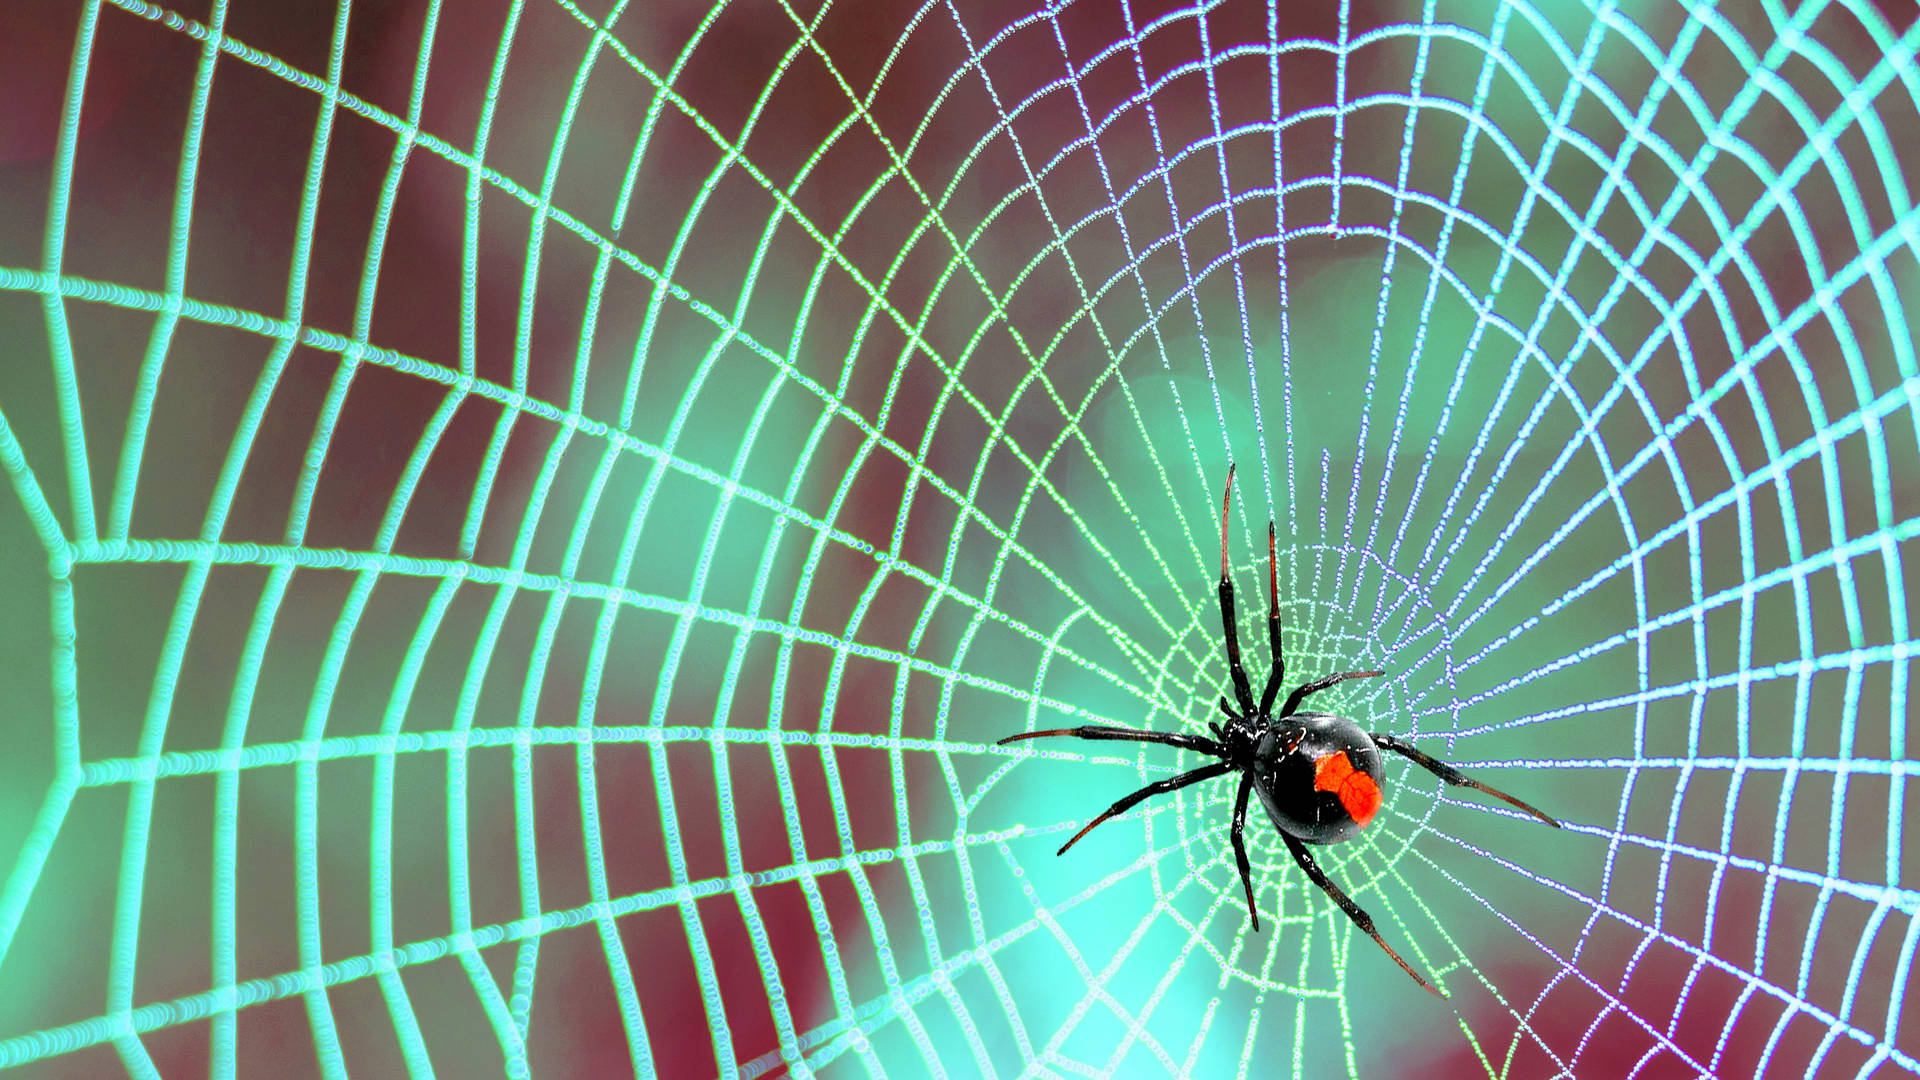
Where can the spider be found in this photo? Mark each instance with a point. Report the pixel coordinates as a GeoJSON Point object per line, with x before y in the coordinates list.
{"type": "Point", "coordinates": [1318, 774]}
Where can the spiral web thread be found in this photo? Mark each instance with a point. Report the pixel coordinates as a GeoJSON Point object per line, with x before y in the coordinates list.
{"type": "Point", "coordinates": [1732, 237]}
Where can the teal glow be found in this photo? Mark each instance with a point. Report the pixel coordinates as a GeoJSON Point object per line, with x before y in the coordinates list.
{"type": "Point", "coordinates": [574, 597]}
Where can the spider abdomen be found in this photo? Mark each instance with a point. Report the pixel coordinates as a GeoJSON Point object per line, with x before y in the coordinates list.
{"type": "Point", "coordinates": [1329, 788]}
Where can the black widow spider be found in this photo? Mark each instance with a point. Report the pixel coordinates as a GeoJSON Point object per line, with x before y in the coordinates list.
{"type": "Point", "coordinates": [1318, 774]}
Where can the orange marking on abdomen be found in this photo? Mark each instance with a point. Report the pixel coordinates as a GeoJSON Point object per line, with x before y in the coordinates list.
{"type": "Point", "coordinates": [1356, 790]}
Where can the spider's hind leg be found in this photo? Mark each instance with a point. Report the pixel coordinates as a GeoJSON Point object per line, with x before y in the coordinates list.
{"type": "Point", "coordinates": [1452, 775]}
{"type": "Point", "coordinates": [1240, 846]}
{"type": "Point", "coordinates": [1359, 916]}
{"type": "Point", "coordinates": [1158, 787]}
{"type": "Point", "coordinates": [1090, 731]}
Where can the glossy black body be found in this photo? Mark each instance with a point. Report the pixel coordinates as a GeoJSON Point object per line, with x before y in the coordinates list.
{"type": "Point", "coordinates": [1279, 753]}
{"type": "Point", "coordinates": [1285, 782]}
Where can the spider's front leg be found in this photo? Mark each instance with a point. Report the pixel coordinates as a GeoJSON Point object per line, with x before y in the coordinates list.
{"type": "Point", "coordinates": [1242, 689]}
{"type": "Point", "coordinates": [1303, 692]}
{"type": "Point", "coordinates": [1279, 669]}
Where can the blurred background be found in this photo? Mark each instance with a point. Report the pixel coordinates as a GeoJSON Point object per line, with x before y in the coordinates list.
{"type": "Point", "coordinates": [524, 520]}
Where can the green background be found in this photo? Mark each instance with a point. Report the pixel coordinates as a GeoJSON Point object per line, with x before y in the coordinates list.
{"type": "Point", "coordinates": [527, 520]}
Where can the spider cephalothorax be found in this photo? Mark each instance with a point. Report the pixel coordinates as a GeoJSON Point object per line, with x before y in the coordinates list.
{"type": "Point", "coordinates": [1318, 774]}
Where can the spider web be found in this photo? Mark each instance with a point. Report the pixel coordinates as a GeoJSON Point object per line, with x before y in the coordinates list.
{"type": "Point", "coordinates": [532, 518]}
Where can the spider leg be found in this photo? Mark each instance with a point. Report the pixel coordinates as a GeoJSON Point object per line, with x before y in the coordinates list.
{"type": "Point", "coordinates": [1273, 627]}
{"type": "Point", "coordinates": [1185, 742]}
{"type": "Point", "coordinates": [1158, 787]}
{"type": "Point", "coordinates": [1301, 693]}
{"type": "Point", "coordinates": [1240, 845]}
{"type": "Point", "coordinates": [1452, 775]}
{"type": "Point", "coordinates": [1360, 918]}
{"type": "Point", "coordinates": [1242, 690]}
